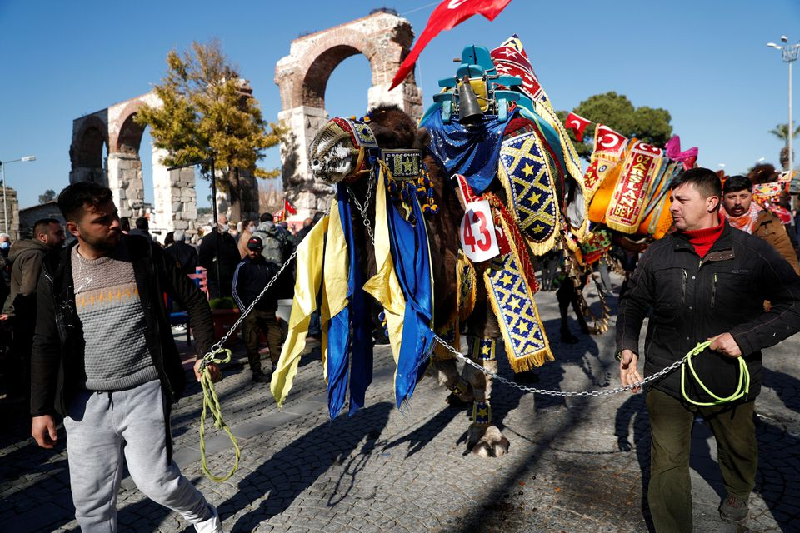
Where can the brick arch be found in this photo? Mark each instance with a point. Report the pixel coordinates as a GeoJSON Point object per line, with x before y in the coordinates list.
{"type": "Point", "coordinates": [384, 38]}
{"type": "Point", "coordinates": [126, 135]}
{"type": "Point", "coordinates": [311, 92]}
{"type": "Point", "coordinates": [129, 139]}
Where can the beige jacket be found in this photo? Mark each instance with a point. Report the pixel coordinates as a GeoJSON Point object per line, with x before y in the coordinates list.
{"type": "Point", "coordinates": [769, 228]}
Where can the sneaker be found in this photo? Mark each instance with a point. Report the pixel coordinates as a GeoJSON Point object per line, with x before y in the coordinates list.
{"type": "Point", "coordinates": [210, 525]}
{"type": "Point", "coordinates": [733, 509]}
{"type": "Point", "coordinates": [260, 377]}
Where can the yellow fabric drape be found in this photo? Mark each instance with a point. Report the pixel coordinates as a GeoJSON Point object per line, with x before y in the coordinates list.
{"type": "Point", "coordinates": [384, 286]}
{"type": "Point", "coordinates": [306, 287]}
{"type": "Point", "coordinates": [334, 278]}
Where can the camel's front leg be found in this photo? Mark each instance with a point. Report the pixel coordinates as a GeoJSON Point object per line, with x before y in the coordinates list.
{"type": "Point", "coordinates": [484, 439]}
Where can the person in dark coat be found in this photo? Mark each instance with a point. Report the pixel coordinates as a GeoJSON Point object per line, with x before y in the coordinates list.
{"type": "Point", "coordinates": [250, 278]}
{"type": "Point", "coordinates": [705, 281]}
{"type": "Point", "coordinates": [219, 255]}
{"type": "Point", "coordinates": [142, 228]}
{"type": "Point", "coordinates": [26, 258]}
{"type": "Point", "coordinates": [185, 255]}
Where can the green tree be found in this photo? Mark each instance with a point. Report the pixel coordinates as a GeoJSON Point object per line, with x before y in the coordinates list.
{"type": "Point", "coordinates": [48, 196]}
{"type": "Point", "coordinates": [651, 125]}
{"type": "Point", "coordinates": [781, 132]}
{"type": "Point", "coordinates": [207, 106]}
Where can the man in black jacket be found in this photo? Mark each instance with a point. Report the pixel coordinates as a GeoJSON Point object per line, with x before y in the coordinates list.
{"type": "Point", "coordinates": [706, 281]}
{"type": "Point", "coordinates": [219, 254]}
{"type": "Point", "coordinates": [104, 359]}
{"type": "Point", "coordinates": [250, 278]}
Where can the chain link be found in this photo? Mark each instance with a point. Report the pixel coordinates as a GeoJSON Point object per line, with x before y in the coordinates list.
{"type": "Point", "coordinates": [362, 208]}
{"type": "Point", "coordinates": [545, 392]}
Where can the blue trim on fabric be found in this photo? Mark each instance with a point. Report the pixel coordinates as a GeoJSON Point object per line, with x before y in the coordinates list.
{"type": "Point", "coordinates": [409, 244]}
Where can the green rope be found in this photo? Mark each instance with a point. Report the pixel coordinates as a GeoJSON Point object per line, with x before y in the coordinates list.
{"type": "Point", "coordinates": [211, 403]}
{"type": "Point", "coordinates": [742, 388]}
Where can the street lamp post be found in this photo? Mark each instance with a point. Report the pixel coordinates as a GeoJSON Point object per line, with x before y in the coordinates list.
{"type": "Point", "coordinates": [3, 164]}
{"type": "Point", "coordinates": [789, 53]}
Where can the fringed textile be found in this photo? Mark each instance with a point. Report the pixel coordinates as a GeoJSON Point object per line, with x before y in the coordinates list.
{"type": "Point", "coordinates": [384, 286]}
{"type": "Point", "coordinates": [512, 301]}
{"type": "Point", "coordinates": [412, 263]}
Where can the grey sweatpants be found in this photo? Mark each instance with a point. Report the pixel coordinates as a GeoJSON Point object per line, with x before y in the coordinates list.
{"type": "Point", "coordinates": [101, 426]}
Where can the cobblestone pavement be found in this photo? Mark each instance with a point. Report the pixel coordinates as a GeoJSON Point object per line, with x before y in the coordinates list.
{"type": "Point", "coordinates": [574, 465]}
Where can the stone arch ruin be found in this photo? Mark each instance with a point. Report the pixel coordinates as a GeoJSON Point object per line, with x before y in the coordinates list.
{"type": "Point", "coordinates": [385, 39]}
{"type": "Point", "coordinates": [174, 193]}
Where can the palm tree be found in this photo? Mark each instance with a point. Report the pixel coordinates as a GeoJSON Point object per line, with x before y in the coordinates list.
{"type": "Point", "coordinates": [780, 131]}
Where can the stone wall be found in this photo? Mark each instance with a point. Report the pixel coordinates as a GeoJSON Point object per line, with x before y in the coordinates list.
{"type": "Point", "coordinates": [12, 208]}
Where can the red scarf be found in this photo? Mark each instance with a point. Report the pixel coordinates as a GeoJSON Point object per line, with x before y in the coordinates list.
{"type": "Point", "coordinates": [746, 222]}
{"type": "Point", "coordinates": [703, 239]}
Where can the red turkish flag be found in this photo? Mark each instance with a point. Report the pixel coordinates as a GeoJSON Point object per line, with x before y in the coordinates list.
{"type": "Point", "coordinates": [577, 123]}
{"type": "Point", "coordinates": [447, 16]}
{"type": "Point", "coordinates": [289, 207]}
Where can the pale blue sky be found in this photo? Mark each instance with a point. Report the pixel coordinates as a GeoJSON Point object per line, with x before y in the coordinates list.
{"type": "Point", "coordinates": [704, 61]}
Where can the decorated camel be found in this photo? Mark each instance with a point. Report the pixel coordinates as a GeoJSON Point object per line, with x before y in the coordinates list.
{"type": "Point", "coordinates": [439, 226]}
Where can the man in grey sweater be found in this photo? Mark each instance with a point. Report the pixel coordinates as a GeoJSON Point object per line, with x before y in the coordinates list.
{"type": "Point", "coordinates": [104, 359]}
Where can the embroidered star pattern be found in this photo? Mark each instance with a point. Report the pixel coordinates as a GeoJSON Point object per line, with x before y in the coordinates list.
{"type": "Point", "coordinates": [519, 318]}
{"type": "Point", "coordinates": [533, 195]}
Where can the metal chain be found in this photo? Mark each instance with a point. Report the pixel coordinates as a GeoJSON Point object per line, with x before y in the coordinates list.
{"type": "Point", "coordinates": [362, 208]}
{"type": "Point", "coordinates": [217, 347]}
{"type": "Point", "coordinates": [545, 392]}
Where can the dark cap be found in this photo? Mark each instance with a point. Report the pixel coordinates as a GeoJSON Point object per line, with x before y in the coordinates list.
{"type": "Point", "coordinates": [254, 243]}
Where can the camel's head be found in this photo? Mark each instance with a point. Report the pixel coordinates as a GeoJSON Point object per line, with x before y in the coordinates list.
{"type": "Point", "coordinates": [343, 149]}
{"type": "Point", "coordinates": [339, 152]}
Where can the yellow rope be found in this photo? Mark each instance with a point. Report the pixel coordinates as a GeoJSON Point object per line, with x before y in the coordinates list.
{"type": "Point", "coordinates": [742, 388]}
{"type": "Point", "coordinates": [211, 403]}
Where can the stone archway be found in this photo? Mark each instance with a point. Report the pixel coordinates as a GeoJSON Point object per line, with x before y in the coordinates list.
{"type": "Point", "coordinates": [384, 39]}
{"type": "Point", "coordinates": [174, 193]}
{"type": "Point", "coordinates": [89, 135]}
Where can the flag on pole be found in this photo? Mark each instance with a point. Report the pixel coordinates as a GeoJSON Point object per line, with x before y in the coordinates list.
{"type": "Point", "coordinates": [447, 16]}
{"type": "Point", "coordinates": [289, 208]}
{"type": "Point", "coordinates": [577, 123]}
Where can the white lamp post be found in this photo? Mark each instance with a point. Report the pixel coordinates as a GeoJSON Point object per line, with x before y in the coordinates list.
{"type": "Point", "coordinates": [3, 164]}
{"type": "Point", "coordinates": [789, 55]}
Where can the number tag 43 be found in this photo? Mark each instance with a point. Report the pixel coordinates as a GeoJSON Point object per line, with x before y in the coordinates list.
{"type": "Point", "coordinates": [478, 236]}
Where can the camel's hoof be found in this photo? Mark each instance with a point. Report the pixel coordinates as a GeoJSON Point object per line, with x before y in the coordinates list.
{"type": "Point", "coordinates": [491, 443]}
{"type": "Point", "coordinates": [482, 449]}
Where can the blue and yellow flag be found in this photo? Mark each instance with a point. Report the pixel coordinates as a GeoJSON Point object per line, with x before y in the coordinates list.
{"type": "Point", "coordinates": [411, 258]}
{"type": "Point", "coordinates": [306, 288]}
